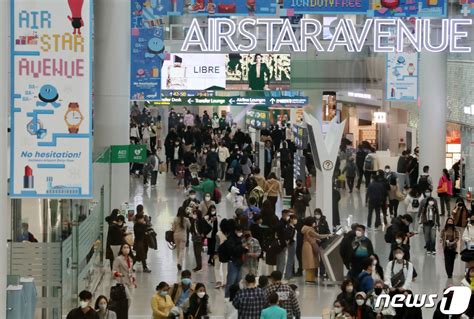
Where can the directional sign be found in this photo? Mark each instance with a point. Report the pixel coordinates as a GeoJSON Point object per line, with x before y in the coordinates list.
{"type": "Point", "coordinates": [234, 100]}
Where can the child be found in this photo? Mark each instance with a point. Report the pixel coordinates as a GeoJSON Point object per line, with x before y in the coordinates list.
{"type": "Point", "coordinates": [180, 171]}
{"type": "Point", "coordinates": [274, 311]}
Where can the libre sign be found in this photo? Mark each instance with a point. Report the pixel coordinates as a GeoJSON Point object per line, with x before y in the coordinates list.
{"type": "Point", "coordinates": [51, 99]}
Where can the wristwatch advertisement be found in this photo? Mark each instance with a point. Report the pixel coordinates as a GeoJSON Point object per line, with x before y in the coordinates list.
{"type": "Point", "coordinates": [73, 118]}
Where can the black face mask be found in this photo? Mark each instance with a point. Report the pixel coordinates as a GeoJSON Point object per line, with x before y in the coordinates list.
{"type": "Point", "coordinates": [378, 291]}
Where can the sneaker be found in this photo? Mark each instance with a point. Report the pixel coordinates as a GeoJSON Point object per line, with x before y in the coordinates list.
{"type": "Point", "coordinates": [146, 270]}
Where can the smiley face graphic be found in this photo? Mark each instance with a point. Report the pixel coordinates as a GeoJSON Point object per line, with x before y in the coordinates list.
{"type": "Point", "coordinates": [48, 94]}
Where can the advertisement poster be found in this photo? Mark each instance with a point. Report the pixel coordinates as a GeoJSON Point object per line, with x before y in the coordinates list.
{"type": "Point", "coordinates": [194, 72]}
{"type": "Point", "coordinates": [322, 6]}
{"type": "Point", "coordinates": [402, 76]}
{"type": "Point", "coordinates": [51, 99]}
{"type": "Point", "coordinates": [229, 7]}
{"type": "Point", "coordinates": [258, 71]}
{"type": "Point", "coordinates": [257, 119]}
{"type": "Point", "coordinates": [147, 52]}
{"type": "Point", "coordinates": [409, 8]}
{"type": "Point", "coordinates": [150, 9]}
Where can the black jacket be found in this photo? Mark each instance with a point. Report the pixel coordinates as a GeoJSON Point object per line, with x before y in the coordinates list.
{"type": "Point", "coordinates": [360, 158]}
{"type": "Point", "coordinates": [377, 192]}
{"type": "Point", "coordinates": [115, 235]}
{"type": "Point", "coordinates": [235, 246]}
{"type": "Point", "coordinates": [212, 159]}
{"type": "Point", "coordinates": [402, 165]}
{"type": "Point", "coordinates": [284, 233]}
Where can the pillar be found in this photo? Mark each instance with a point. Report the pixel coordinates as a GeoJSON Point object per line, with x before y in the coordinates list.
{"type": "Point", "coordinates": [432, 123]}
{"type": "Point", "coordinates": [5, 102]}
{"type": "Point", "coordinates": [112, 86]}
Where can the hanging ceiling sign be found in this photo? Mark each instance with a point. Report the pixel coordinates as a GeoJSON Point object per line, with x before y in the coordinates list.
{"type": "Point", "coordinates": [235, 100]}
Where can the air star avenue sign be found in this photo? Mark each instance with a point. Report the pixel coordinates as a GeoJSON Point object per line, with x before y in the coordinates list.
{"type": "Point", "coordinates": [222, 31]}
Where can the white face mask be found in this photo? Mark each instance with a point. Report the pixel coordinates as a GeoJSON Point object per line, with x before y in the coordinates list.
{"type": "Point", "coordinates": [84, 304]}
{"type": "Point", "coordinates": [103, 306]}
{"type": "Point", "coordinates": [241, 179]}
{"type": "Point", "coordinates": [399, 256]}
{"type": "Point", "coordinates": [337, 310]}
{"type": "Point", "coordinates": [399, 241]}
{"type": "Point", "coordinates": [192, 196]}
{"type": "Point", "coordinates": [387, 170]}
{"type": "Point", "coordinates": [360, 302]}
{"type": "Point", "coordinates": [239, 234]}
{"type": "Point", "coordinates": [431, 203]}
{"type": "Point", "coordinates": [349, 289]}
{"type": "Point", "coordinates": [374, 263]}
{"type": "Point", "coordinates": [208, 198]}
{"type": "Point", "coordinates": [359, 233]}
{"type": "Point", "coordinates": [201, 294]}
{"type": "Point", "coordinates": [317, 216]}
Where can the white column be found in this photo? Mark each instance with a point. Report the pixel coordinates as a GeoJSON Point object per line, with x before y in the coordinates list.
{"type": "Point", "coordinates": [4, 102]}
{"type": "Point", "coordinates": [111, 86]}
{"type": "Point", "coordinates": [432, 124]}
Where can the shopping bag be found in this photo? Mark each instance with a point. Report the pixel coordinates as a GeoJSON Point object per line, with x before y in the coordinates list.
{"type": "Point", "coordinates": [278, 207]}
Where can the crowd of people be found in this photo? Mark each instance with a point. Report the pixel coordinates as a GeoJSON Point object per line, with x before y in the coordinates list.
{"type": "Point", "coordinates": [256, 253]}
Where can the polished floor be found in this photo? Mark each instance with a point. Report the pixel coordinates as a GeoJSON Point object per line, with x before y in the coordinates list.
{"type": "Point", "coordinates": [161, 204]}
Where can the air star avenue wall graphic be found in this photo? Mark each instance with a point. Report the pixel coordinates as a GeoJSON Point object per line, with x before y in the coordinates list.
{"type": "Point", "coordinates": [51, 99]}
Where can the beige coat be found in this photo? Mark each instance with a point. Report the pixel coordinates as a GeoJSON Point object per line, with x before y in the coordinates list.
{"type": "Point", "coordinates": [180, 232]}
{"type": "Point", "coordinates": [310, 254]}
{"type": "Point", "coordinates": [273, 188]}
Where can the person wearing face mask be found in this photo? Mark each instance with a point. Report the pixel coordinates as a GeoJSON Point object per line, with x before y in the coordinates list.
{"type": "Point", "coordinates": [253, 253]}
{"type": "Point", "coordinates": [212, 161]}
{"type": "Point", "coordinates": [161, 302]}
{"type": "Point", "coordinates": [115, 238]}
{"type": "Point", "coordinates": [176, 157]}
{"type": "Point", "coordinates": [198, 305]}
{"type": "Point", "coordinates": [429, 218]}
{"type": "Point", "coordinates": [361, 248]}
{"type": "Point", "coordinates": [399, 272]}
{"type": "Point", "coordinates": [213, 223]}
{"type": "Point", "coordinates": [347, 294]}
{"type": "Point", "coordinates": [206, 203]}
{"type": "Point", "coordinates": [445, 191]}
{"type": "Point", "coordinates": [123, 271]}
{"type": "Point", "coordinates": [199, 229]}
{"type": "Point", "coordinates": [400, 241]}
{"type": "Point", "coordinates": [237, 250]}
{"type": "Point", "coordinates": [240, 184]}
{"type": "Point", "coordinates": [283, 233]}
{"type": "Point", "coordinates": [449, 239]}
{"type": "Point", "coordinates": [84, 311]}
{"type": "Point", "coordinates": [340, 310]}
{"type": "Point", "coordinates": [287, 295]}
{"type": "Point", "coordinates": [322, 227]}
{"type": "Point", "coordinates": [467, 254]}
{"type": "Point", "coordinates": [362, 310]}
{"type": "Point", "coordinates": [140, 245]}
{"type": "Point", "coordinates": [102, 308]}
{"type": "Point", "coordinates": [250, 301]}
{"type": "Point", "coordinates": [300, 199]}
{"type": "Point", "coordinates": [191, 199]}
{"type": "Point", "coordinates": [310, 249]}
{"type": "Point", "coordinates": [380, 312]}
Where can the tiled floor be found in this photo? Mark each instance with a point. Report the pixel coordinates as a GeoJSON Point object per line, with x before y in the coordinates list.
{"type": "Point", "coordinates": [162, 203]}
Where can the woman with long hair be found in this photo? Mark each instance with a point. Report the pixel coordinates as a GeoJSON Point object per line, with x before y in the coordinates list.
{"type": "Point", "coordinates": [180, 227]}
{"type": "Point", "coordinates": [445, 191]}
{"type": "Point", "coordinates": [449, 239]}
{"type": "Point", "coordinates": [197, 305]}
{"type": "Point", "coordinates": [123, 270]}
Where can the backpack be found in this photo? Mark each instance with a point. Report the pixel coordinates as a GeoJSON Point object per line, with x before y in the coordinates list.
{"type": "Point", "coordinates": [217, 196]}
{"type": "Point", "coordinates": [415, 203]}
{"type": "Point", "coordinates": [369, 163]}
{"type": "Point", "coordinates": [389, 236]}
{"type": "Point", "coordinates": [423, 183]}
{"type": "Point", "coordinates": [223, 252]}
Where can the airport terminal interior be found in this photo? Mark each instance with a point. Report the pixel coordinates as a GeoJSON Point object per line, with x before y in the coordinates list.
{"type": "Point", "coordinates": [237, 159]}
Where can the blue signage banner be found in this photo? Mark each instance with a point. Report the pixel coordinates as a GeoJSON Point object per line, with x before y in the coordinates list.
{"type": "Point", "coordinates": [230, 7]}
{"type": "Point", "coordinates": [326, 6]}
{"type": "Point", "coordinates": [147, 51]}
{"type": "Point", "coordinates": [408, 8]}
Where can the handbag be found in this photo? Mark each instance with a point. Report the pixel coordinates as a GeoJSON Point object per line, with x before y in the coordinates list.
{"type": "Point", "coordinates": [398, 279]}
{"type": "Point", "coordinates": [169, 237]}
{"type": "Point", "coordinates": [443, 188]}
{"type": "Point", "coordinates": [226, 8]}
{"type": "Point", "coordinates": [162, 167]}
{"type": "Point", "coordinates": [195, 315]}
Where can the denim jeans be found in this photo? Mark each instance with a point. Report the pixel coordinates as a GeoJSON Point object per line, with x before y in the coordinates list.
{"type": "Point", "coordinates": [233, 276]}
{"type": "Point", "coordinates": [430, 236]}
{"type": "Point", "coordinates": [281, 260]}
{"type": "Point", "coordinates": [290, 263]}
